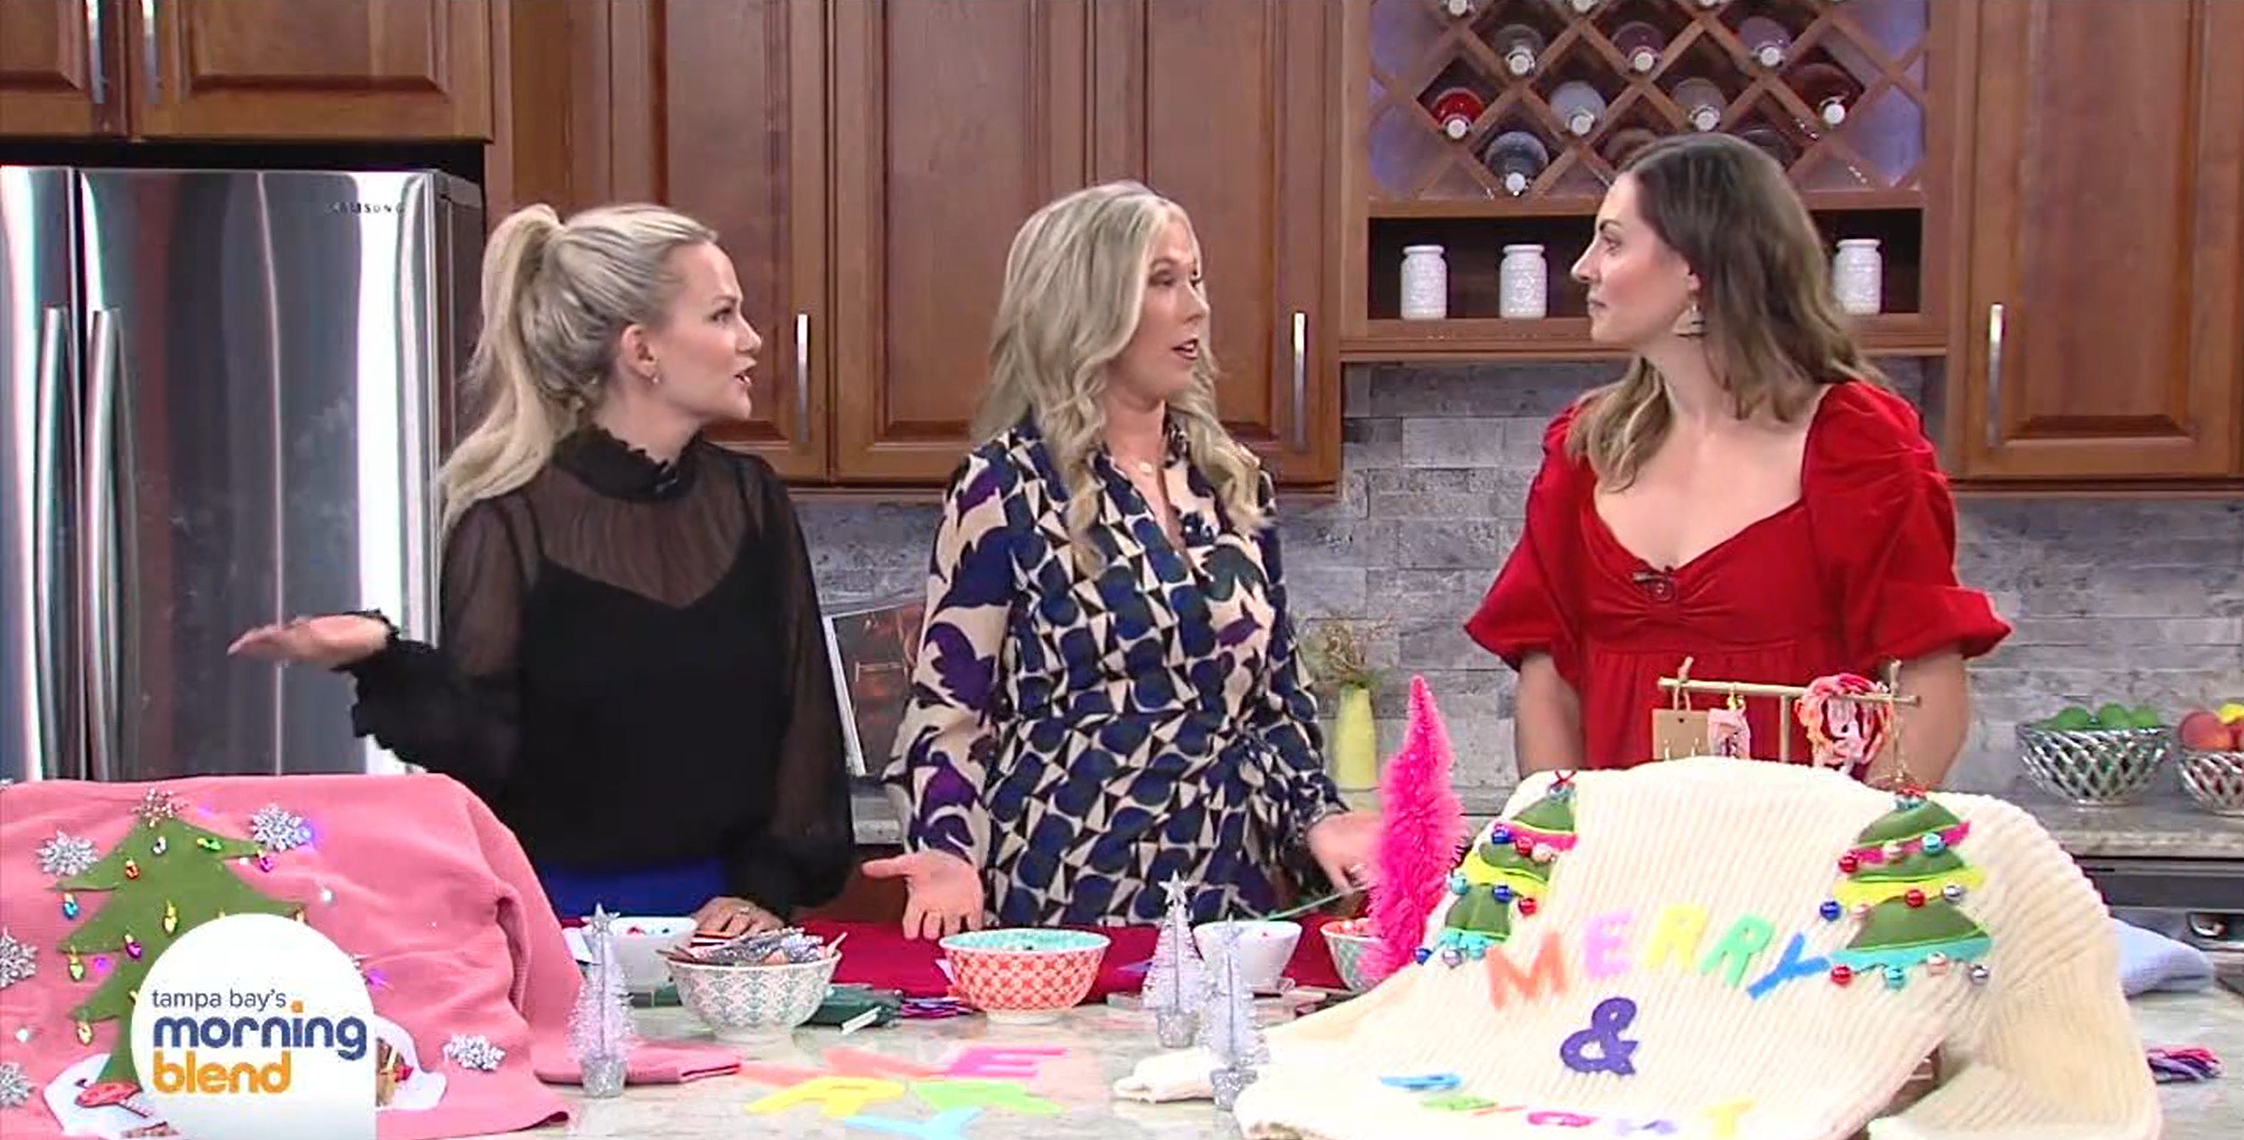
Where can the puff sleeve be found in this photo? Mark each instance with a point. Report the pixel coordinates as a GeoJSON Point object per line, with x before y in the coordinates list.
{"type": "Point", "coordinates": [1530, 606]}
{"type": "Point", "coordinates": [1885, 530]}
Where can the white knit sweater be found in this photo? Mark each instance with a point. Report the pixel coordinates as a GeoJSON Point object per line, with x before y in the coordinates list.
{"type": "Point", "coordinates": [2041, 1047]}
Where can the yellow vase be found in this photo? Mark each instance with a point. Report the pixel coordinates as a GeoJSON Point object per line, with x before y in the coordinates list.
{"type": "Point", "coordinates": [1355, 741]}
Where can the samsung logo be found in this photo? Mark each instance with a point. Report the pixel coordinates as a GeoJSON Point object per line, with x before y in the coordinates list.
{"type": "Point", "coordinates": [363, 208]}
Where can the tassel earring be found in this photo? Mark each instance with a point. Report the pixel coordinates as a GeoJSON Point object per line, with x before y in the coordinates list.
{"type": "Point", "coordinates": [1692, 323]}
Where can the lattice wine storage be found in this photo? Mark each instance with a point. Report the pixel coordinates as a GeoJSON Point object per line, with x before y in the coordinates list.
{"type": "Point", "coordinates": [1484, 124]}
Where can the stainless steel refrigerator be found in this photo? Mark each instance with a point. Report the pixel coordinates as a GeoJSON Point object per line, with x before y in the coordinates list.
{"type": "Point", "coordinates": [220, 405]}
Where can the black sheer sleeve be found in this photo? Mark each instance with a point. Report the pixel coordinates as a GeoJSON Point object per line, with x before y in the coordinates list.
{"type": "Point", "coordinates": [454, 710]}
{"type": "Point", "coordinates": [805, 855]}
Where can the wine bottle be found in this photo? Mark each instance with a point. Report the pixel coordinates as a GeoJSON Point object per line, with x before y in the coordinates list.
{"type": "Point", "coordinates": [1579, 106]}
{"type": "Point", "coordinates": [1519, 45]}
{"type": "Point", "coordinates": [1456, 108]}
{"type": "Point", "coordinates": [1641, 44]}
{"type": "Point", "coordinates": [1518, 158]}
{"type": "Point", "coordinates": [1702, 103]}
{"type": "Point", "coordinates": [1458, 9]}
{"type": "Point", "coordinates": [1766, 40]}
{"type": "Point", "coordinates": [1826, 88]}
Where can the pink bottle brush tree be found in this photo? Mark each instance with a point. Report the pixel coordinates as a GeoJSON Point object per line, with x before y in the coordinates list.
{"type": "Point", "coordinates": [1421, 828]}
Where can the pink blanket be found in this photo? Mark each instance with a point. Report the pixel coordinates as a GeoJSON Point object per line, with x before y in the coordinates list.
{"type": "Point", "coordinates": [412, 873]}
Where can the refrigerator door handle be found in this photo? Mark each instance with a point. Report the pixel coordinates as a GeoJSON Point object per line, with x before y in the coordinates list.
{"type": "Point", "coordinates": [50, 622]}
{"type": "Point", "coordinates": [97, 536]}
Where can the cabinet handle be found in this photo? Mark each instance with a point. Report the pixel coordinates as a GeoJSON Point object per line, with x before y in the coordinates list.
{"type": "Point", "coordinates": [802, 373]}
{"type": "Point", "coordinates": [1300, 380]}
{"type": "Point", "coordinates": [148, 47]}
{"type": "Point", "coordinates": [95, 69]}
{"type": "Point", "coordinates": [1994, 376]}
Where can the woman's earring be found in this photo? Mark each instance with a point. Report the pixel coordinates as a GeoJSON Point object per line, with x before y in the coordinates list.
{"type": "Point", "coordinates": [1692, 323]}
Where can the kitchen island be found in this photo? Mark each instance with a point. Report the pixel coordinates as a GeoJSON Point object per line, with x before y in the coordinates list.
{"type": "Point", "coordinates": [1101, 1043]}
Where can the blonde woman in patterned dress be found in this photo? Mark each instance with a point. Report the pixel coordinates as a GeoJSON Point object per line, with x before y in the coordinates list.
{"type": "Point", "coordinates": [1107, 692]}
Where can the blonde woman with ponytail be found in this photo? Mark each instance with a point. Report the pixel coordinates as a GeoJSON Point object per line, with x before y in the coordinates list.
{"type": "Point", "coordinates": [633, 673]}
{"type": "Point", "coordinates": [1747, 496]}
{"type": "Point", "coordinates": [1107, 694]}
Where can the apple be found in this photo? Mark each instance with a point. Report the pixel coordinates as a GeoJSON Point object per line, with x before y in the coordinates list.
{"type": "Point", "coordinates": [2204, 731]}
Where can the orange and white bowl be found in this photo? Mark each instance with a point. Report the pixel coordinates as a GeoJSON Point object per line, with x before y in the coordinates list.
{"type": "Point", "coordinates": [1021, 974]}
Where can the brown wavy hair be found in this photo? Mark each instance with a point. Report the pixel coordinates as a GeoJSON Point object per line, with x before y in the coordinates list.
{"type": "Point", "coordinates": [1773, 329]}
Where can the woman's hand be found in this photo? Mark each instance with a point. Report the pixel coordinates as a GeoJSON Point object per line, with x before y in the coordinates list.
{"type": "Point", "coordinates": [728, 917]}
{"type": "Point", "coordinates": [330, 641]}
{"type": "Point", "coordinates": [944, 893]}
{"type": "Point", "coordinates": [1343, 845]}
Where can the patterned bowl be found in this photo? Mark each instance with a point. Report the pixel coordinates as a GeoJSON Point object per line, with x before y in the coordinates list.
{"type": "Point", "coordinates": [2215, 780]}
{"type": "Point", "coordinates": [754, 1003]}
{"type": "Point", "coordinates": [2094, 766]}
{"type": "Point", "coordinates": [1020, 974]}
{"type": "Point", "coordinates": [1348, 955]}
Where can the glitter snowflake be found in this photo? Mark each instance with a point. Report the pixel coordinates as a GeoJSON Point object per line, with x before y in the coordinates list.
{"type": "Point", "coordinates": [473, 1051]}
{"type": "Point", "coordinates": [15, 1085]}
{"type": "Point", "coordinates": [16, 963]}
{"type": "Point", "coordinates": [65, 855]}
{"type": "Point", "coordinates": [277, 829]}
{"type": "Point", "coordinates": [157, 806]}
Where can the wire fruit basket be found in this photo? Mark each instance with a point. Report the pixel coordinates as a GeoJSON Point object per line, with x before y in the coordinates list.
{"type": "Point", "coordinates": [2215, 780]}
{"type": "Point", "coordinates": [2095, 766]}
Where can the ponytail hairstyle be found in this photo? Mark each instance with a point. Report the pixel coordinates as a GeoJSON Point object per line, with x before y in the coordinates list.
{"type": "Point", "coordinates": [1074, 284]}
{"type": "Point", "coordinates": [556, 299]}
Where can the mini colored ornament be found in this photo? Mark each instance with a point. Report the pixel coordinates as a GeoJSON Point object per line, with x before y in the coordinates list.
{"type": "Point", "coordinates": [1848, 864]}
{"type": "Point", "coordinates": [160, 846]}
{"type": "Point", "coordinates": [1896, 977]}
{"type": "Point", "coordinates": [18, 961]}
{"type": "Point", "coordinates": [1501, 893]}
{"type": "Point", "coordinates": [69, 905]}
{"type": "Point", "coordinates": [1914, 897]}
{"type": "Point", "coordinates": [132, 869]}
{"type": "Point", "coordinates": [1936, 963]}
{"type": "Point", "coordinates": [1830, 910]}
{"type": "Point", "coordinates": [65, 855]}
{"type": "Point", "coordinates": [1526, 906]}
{"type": "Point", "coordinates": [171, 918]}
{"type": "Point", "coordinates": [1421, 955]}
{"type": "Point", "coordinates": [1543, 853]}
{"type": "Point", "coordinates": [208, 844]}
{"type": "Point", "coordinates": [1978, 974]}
{"type": "Point", "coordinates": [1933, 844]}
{"type": "Point", "coordinates": [1524, 845]}
{"type": "Point", "coordinates": [1499, 835]}
{"type": "Point", "coordinates": [1953, 892]}
{"type": "Point", "coordinates": [1895, 851]}
{"type": "Point", "coordinates": [77, 968]}
{"type": "Point", "coordinates": [1452, 956]}
{"type": "Point", "coordinates": [85, 1034]}
{"type": "Point", "coordinates": [132, 946]}
{"type": "Point", "coordinates": [1862, 910]}
{"type": "Point", "coordinates": [1457, 883]}
{"type": "Point", "coordinates": [264, 862]}
{"type": "Point", "coordinates": [1841, 975]}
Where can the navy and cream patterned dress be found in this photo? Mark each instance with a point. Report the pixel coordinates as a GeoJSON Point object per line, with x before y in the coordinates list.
{"type": "Point", "coordinates": [1082, 737]}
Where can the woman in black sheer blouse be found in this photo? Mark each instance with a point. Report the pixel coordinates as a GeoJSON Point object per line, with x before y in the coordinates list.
{"type": "Point", "coordinates": [633, 673]}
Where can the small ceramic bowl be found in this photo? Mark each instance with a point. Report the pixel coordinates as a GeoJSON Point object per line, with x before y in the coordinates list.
{"type": "Point", "coordinates": [1265, 946]}
{"type": "Point", "coordinates": [639, 941]}
{"type": "Point", "coordinates": [1023, 974]}
{"type": "Point", "coordinates": [1347, 956]}
{"type": "Point", "coordinates": [754, 1003]}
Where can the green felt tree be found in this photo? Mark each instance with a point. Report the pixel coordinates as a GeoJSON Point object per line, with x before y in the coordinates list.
{"type": "Point", "coordinates": [165, 877]}
{"type": "Point", "coordinates": [1509, 868]}
{"type": "Point", "coordinates": [1903, 881]}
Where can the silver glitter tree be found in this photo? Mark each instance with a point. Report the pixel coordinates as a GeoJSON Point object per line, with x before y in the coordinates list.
{"type": "Point", "coordinates": [1176, 982]}
{"type": "Point", "coordinates": [600, 1028]}
{"type": "Point", "coordinates": [1228, 1028]}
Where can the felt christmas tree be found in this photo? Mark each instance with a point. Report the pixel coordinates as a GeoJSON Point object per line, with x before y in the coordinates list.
{"type": "Point", "coordinates": [600, 1027]}
{"type": "Point", "coordinates": [1507, 870]}
{"type": "Point", "coordinates": [1228, 1028]}
{"type": "Point", "coordinates": [165, 877]}
{"type": "Point", "coordinates": [1421, 826]}
{"type": "Point", "coordinates": [1176, 981]}
{"type": "Point", "coordinates": [1903, 881]}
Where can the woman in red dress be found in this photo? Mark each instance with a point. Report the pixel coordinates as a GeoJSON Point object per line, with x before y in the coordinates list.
{"type": "Point", "coordinates": [1747, 496]}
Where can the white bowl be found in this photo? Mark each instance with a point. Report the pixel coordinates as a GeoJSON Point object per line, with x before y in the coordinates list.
{"type": "Point", "coordinates": [1265, 946]}
{"type": "Point", "coordinates": [639, 941]}
{"type": "Point", "coordinates": [754, 1003]}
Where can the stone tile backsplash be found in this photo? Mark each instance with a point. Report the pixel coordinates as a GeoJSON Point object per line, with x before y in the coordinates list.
{"type": "Point", "coordinates": [2116, 599]}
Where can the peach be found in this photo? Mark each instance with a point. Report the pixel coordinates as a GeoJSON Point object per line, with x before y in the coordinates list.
{"type": "Point", "coordinates": [2202, 731]}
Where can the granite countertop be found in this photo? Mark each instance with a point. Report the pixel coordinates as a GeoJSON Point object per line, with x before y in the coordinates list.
{"type": "Point", "coordinates": [1101, 1043]}
{"type": "Point", "coordinates": [2161, 826]}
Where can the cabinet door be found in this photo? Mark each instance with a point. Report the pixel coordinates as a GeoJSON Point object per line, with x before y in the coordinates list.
{"type": "Point", "coordinates": [58, 72]}
{"type": "Point", "coordinates": [2106, 257]}
{"type": "Point", "coordinates": [334, 69]}
{"type": "Point", "coordinates": [716, 108]}
{"type": "Point", "coordinates": [953, 120]}
{"type": "Point", "coordinates": [1231, 117]}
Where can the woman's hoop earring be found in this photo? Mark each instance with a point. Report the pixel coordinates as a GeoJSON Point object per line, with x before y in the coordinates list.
{"type": "Point", "coordinates": [1692, 323]}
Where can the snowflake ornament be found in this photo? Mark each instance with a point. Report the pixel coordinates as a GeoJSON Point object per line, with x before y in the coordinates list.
{"type": "Point", "coordinates": [16, 962]}
{"type": "Point", "coordinates": [277, 829]}
{"type": "Point", "coordinates": [157, 806]}
{"type": "Point", "coordinates": [473, 1051]}
{"type": "Point", "coordinates": [65, 855]}
{"type": "Point", "coordinates": [15, 1085]}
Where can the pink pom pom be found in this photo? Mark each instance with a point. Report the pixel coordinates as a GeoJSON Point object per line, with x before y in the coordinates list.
{"type": "Point", "coordinates": [1421, 828]}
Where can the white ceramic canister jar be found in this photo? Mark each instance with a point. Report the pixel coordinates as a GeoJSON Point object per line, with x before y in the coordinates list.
{"type": "Point", "coordinates": [1858, 276]}
{"type": "Point", "coordinates": [1425, 283]}
{"type": "Point", "coordinates": [1523, 283]}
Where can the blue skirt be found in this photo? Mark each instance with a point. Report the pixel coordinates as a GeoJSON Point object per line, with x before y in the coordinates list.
{"type": "Point", "coordinates": [673, 890]}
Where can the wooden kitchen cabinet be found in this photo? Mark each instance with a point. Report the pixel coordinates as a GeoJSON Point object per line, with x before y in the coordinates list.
{"type": "Point", "coordinates": [375, 70]}
{"type": "Point", "coordinates": [2106, 256]}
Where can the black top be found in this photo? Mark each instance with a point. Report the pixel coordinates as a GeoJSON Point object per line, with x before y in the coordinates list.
{"type": "Point", "coordinates": [634, 672]}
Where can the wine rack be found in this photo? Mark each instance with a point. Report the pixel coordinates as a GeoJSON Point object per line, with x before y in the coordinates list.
{"type": "Point", "coordinates": [1482, 124]}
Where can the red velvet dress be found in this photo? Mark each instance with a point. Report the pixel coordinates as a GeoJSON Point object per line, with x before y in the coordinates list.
{"type": "Point", "coordinates": [1859, 570]}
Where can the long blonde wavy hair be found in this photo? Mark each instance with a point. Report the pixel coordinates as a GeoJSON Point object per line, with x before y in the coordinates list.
{"type": "Point", "coordinates": [556, 299]}
{"type": "Point", "coordinates": [1074, 283]}
{"type": "Point", "coordinates": [1773, 329]}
